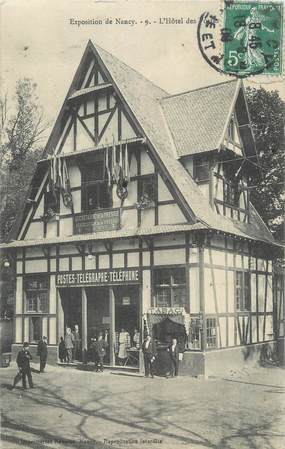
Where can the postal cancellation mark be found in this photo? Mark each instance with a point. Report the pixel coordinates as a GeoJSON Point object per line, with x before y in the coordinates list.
{"type": "Point", "coordinates": [245, 40]}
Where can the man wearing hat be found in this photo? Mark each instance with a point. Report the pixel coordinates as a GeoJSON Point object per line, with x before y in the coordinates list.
{"type": "Point", "coordinates": [23, 362]}
{"type": "Point", "coordinates": [43, 353]}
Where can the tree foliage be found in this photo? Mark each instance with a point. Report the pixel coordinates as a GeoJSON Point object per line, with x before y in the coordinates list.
{"type": "Point", "coordinates": [22, 128]}
{"type": "Point", "coordinates": [267, 117]}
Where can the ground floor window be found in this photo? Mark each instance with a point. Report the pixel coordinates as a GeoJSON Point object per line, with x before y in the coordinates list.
{"type": "Point", "coordinates": [211, 333]}
{"type": "Point", "coordinates": [170, 287]}
{"type": "Point", "coordinates": [36, 294]}
{"type": "Point", "coordinates": [35, 328]}
{"type": "Point", "coordinates": [195, 333]}
{"type": "Point", "coordinates": [242, 291]}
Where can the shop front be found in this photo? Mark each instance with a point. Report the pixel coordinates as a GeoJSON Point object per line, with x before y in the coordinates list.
{"type": "Point", "coordinates": [164, 324]}
{"type": "Point", "coordinates": [106, 303]}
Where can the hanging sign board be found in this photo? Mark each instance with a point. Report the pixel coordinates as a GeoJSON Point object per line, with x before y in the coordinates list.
{"type": "Point", "coordinates": [166, 311]}
{"type": "Point", "coordinates": [98, 277]}
{"type": "Point", "coordinates": [101, 220]}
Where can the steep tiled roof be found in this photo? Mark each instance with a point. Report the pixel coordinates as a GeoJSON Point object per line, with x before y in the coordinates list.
{"type": "Point", "coordinates": [202, 122]}
{"type": "Point", "coordinates": [197, 118]}
{"type": "Point", "coordinates": [142, 96]}
{"type": "Point", "coordinates": [145, 100]}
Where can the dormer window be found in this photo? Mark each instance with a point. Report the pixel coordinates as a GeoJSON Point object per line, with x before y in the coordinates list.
{"type": "Point", "coordinates": [231, 193]}
{"type": "Point", "coordinates": [201, 171]}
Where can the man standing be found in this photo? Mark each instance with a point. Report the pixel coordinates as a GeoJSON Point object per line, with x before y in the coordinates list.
{"type": "Point", "coordinates": [149, 352]}
{"type": "Point", "coordinates": [174, 357]}
{"type": "Point", "coordinates": [100, 352]}
{"type": "Point", "coordinates": [43, 353]}
{"type": "Point", "coordinates": [68, 340]}
{"type": "Point", "coordinates": [23, 362]}
{"type": "Point", "coordinates": [77, 343]}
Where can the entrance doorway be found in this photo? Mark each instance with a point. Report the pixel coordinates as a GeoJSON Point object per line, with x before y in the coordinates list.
{"type": "Point", "coordinates": [113, 312]}
{"type": "Point", "coordinates": [167, 329]}
{"type": "Point", "coordinates": [98, 318]}
{"type": "Point", "coordinates": [72, 310]}
{"type": "Point", "coordinates": [127, 325]}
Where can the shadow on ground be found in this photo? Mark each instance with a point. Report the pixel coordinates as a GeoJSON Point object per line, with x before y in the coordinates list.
{"type": "Point", "coordinates": [144, 417]}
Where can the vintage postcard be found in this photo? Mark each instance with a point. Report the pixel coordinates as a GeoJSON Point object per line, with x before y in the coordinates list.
{"type": "Point", "coordinates": [141, 224]}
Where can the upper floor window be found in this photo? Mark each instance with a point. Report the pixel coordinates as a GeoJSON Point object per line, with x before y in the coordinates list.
{"type": "Point", "coordinates": [147, 189]}
{"type": "Point", "coordinates": [231, 193]}
{"type": "Point", "coordinates": [36, 292]}
{"type": "Point", "coordinates": [242, 291]}
{"type": "Point", "coordinates": [170, 287]}
{"type": "Point", "coordinates": [95, 193]}
{"type": "Point", "coordinates": [201, 171]}
{"type": "Point", "coordinates": [51, 202]}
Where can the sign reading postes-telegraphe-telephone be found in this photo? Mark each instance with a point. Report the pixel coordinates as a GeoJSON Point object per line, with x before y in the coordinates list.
{"type": "Point", "coordinates": [98, 277]}
{"type": "Point", "coordinates": [98, 221]}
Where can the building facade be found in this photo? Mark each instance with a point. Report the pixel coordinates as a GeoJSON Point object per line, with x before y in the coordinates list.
{"type": "Point", "coordinates": [139, 220]}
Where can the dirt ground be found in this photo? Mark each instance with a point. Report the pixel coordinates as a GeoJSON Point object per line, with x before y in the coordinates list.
{"type": "Point", "coordinates": [70, 408]}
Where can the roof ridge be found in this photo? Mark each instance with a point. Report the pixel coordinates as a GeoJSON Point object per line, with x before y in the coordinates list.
{"type": "Point", "coordinates": [98, 48]}
{"type": "Point", "coordinates": [198, 88]}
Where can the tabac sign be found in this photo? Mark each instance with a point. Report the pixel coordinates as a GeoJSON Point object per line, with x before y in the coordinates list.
{"type": "Point", "coordinates": [98, 277]}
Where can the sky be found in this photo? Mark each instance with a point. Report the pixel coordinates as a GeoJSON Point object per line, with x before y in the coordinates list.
{"type": "Point", "coordinates": [38, 41]}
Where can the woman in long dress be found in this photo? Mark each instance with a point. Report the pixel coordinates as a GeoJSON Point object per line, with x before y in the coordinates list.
{"type": "Point", "coordinates": [124, 344]}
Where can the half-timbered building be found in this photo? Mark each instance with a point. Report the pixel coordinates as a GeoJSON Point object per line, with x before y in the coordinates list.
{"type": "Point", "coordinates": [139, 218]}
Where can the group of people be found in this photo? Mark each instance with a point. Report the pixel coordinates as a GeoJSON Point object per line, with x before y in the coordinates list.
{"type": "Point", "coordinates": [150, 356]}
{"type": "Point", "coordinates": [69, 348]}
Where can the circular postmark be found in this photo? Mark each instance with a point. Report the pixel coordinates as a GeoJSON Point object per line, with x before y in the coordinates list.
{"type": "Point", "coordinates": [243, 39]}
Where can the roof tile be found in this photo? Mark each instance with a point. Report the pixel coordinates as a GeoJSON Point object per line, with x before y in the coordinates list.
{"type": "Point", "coordinates": [197, 118]}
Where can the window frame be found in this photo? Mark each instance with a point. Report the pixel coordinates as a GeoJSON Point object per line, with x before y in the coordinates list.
{"type": "Point", "coordinates": [37, 292]}
{"type": "Point", "coordinates": [242, 291]}
{"type": "Point", "coordinates": [169, 287]}
{"type": "Point", "coordinates": [50, 202]}
{"type": "Point", "coordinates": [140, 191]}
{"type": "Point", "coordinates": [231, 190]}
{"type": "Point", "coordinates": [87, 183]}
{"type": "Point", "coordinates": [211, 338]}
{"type": "Point", "coordinates": [31, 338]}
{"type": "Point", "coordinates": [200, 161]}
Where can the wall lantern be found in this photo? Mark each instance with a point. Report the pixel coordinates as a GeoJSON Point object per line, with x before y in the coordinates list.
{"type": "Point", "coordinates": [89, 251]}
{"type": "Point", "coordinates": [6, 263]}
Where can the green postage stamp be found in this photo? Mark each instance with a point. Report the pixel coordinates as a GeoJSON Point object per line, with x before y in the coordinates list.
{"type": "Point", "coordinates": [253, 38]}
{"type": "Point", "coordinates": [244, 38]}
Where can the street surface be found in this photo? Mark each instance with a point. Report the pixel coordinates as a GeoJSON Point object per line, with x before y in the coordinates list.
{"type": "Point", "coordinates": [70, 408]}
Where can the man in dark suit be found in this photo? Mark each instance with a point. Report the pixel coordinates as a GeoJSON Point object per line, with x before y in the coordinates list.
{"type": "Point", "coordinates": [99, 348]}
{"type": "Point", "coordinates": [23, 362]}
{"type": "Point", "coordinates": [43, 353]}
{"type": "Point", "coordinates": [149, 353]}
{"type": "Point", "coordinates": [76, 343]}
{"type": "Point", "coordinates": [174, 357]}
